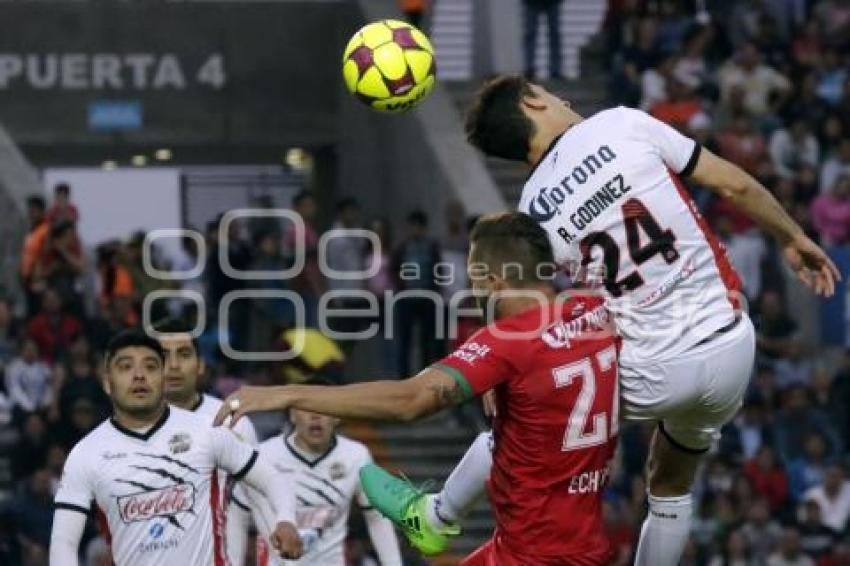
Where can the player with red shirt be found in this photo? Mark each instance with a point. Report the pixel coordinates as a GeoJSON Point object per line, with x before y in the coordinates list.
{"type": "Point", "coordinates": [551, 360]}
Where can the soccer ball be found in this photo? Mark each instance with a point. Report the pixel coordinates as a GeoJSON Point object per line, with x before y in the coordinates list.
{"type": "Point", "coordinates": [389, 65]}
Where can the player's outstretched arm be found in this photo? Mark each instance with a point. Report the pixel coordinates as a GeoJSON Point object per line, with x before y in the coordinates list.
{"type": "Point", "coordinates": [809, 262]}
{"type": "Point", "coordinates": [65, 537]}
{"type": "Point", "coordinates": [427, 393]}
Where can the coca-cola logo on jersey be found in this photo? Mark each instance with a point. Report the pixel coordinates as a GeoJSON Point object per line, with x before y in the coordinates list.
{"type": "Point", "coordinates": [164, 502]}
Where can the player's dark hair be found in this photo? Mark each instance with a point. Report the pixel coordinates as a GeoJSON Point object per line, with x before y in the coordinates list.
{"type": "Point", "coordinates": [62, 188]}
{"type": "Point", "coordinates": [496, 123]}
{"type": "Point", "coordinates": [177, 326]}
{"type": "Point", "coordinates": [513, 239]}
{"type": "Point", "coordinates": [133, 338]}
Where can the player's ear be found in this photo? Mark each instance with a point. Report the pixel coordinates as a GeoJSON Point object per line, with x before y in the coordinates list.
{"type": "Point", "coordinates": [104, 378]}
{"type": "Point", "coordinates": [534, 101]}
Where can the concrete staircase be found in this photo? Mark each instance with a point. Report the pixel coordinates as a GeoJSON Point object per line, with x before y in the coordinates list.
{"type": "Point", "coordinates": [451, 31]}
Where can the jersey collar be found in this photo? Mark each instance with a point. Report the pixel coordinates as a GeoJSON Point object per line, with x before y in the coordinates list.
{"type": "Point", "coordinates": [545, 155]}
{"type": "Point", "coordinates": [309, 463]}
{"type": "Point", "coordinates": [139, 435]}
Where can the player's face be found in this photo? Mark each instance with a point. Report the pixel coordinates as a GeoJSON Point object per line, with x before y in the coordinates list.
{"type": "Point", "coordinates": [313, 429]}
{"type": "Point", "coordinates": [134, 381]}
{"type": "Point", "coordinates": [183, 367]}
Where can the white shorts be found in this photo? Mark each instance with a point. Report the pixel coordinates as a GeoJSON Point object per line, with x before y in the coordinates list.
{"type": "Point", "coordinates": [694, 396]}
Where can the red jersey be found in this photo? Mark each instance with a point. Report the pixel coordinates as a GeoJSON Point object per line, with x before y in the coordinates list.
{"type": "Point", "coordinates": [554, 370]}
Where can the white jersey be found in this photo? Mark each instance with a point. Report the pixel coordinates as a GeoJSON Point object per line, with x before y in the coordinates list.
{"type": "Point", "coordinates": [208, 406]}
{"type": "Point", "coordinates": [157, 493]}
{"type": "Point", "coordinates": [324, 490]}
{"type": "Point", "coordinates": [609, 195]}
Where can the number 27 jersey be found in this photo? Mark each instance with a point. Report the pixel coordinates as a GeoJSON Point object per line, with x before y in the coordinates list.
{"type": "Point", "coordinates": [609, 194]}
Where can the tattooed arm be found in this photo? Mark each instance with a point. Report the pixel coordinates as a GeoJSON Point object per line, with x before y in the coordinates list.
{"type": "Point", "coordinates": [427, 393]}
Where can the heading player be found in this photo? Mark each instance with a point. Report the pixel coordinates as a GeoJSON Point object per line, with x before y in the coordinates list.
{"type": "Point", "coordinates": [552, 360]}
{"type": "Point", "coordinates": [324, 468]}
{"type": "Point", "coordinates": [150, 473]}
{"type": "Point", "coordinates": [608, 191]}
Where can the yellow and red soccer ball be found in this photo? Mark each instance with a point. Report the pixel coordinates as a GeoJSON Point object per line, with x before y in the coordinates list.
{"type": "Point", "coordinates": [389, 65]}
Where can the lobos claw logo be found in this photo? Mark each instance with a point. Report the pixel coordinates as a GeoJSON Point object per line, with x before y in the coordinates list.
{"type": "Point", "coordinates": [165, 502]}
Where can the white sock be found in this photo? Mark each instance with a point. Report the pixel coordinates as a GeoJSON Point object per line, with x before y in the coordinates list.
{"type": "Point", "coordinates": [665, 531]}
{"type": "Point", "coordinates": [465, 484]}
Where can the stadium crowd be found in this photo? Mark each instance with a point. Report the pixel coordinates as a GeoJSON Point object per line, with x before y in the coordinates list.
{"type": "Point", "coordinates": [765, 84]}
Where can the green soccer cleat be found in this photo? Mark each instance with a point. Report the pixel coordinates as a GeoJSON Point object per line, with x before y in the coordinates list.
{"type": "Point", "coordinates": [405, 505]}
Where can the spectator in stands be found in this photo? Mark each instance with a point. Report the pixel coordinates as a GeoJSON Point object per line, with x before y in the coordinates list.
{"type": "Point", "coordinates": [833, 497]}
{"type": "Point", "coordinates": [747, 251]}
{"type": "Point", "coordinates": [310, 282]}
{"type": "Point", "coordinates": [80, 420]}
{"type": "Point", "coordinates": [30, 453]}
{"type": "Point", "coordinates": [637, 59]}
{"type": "Point", "coordinates": [144, 281]}
{"type": "Point", "coordinates": [32, 250]}
{"type": "Point", "coordinates": [778, 338]}
{"type": "Point", "coordinates": [415, 261]}
{"type": "Point", "coordinates": [62, 264]}
{"type": "Point", "coordinates": [219, 283]}
{"type": "Point", "coordinates": [52, 329]}
{"type": "Point", "coordinates": [269, 316]}
{"type": "Point", "coordinates": [77, 379]}
{"type": "Point", "coordinates": [691, 69]}
{"type": "Point", "coordinates": [768, 478]}
{"type": "Point", "coordinates": [28, 380]}
{"type": "Point", "coordinates": [832, 76]}
{"type": "Point", "coordinates": [807, 470]}
{"type": "Point", "coordinates": [840, 395]}
{"type": "Point", "coordinates": [797, 421]}
{"type": "Point", "coordinates": [793, 147]}
{"type": "Point", "coordinates": [835, 167]}
{"type": "Point", "coordinates": [380, 262]}
{"type": "Point", "coordinates": [8, 431]}
{"type": "Point", "coordinates": [680, 106]}
{"type": "Point", "coordinates": [33, 515]}
{"type": "Point", "coordinates": [744, 436]}
{"type": "Point", "coordinates": [759, 530]}
{"type": "Point", "coordinates": [831, 213]}
{"type": "Point", "coordinates": [347, 253]}
{"type": "Point", "coordinates": [551, 10]}
{"type": "Point", "coordinates": [807, 46]}
{"type": "Point", "coordinates": [736, 552]}
{"type": "Point", "coordinates": [63, 209]}
{"type": "Point", "coordinates": [806, 104]}
{"type": "Point", "coordinates": [839, 556]}
{"type": "Point", "coordinates": [113, 280]}
{"type": "Point", "coordinates": [765, 88]}
{"type": "Point", "coordinates": [654, 81]}
{"type": "Point", "coordinates": [9, 333]}
{"type": "Point", "coordinates": [789, 553]}
{"type": "Point", "coordinates": [816, 539]}
{"type": "Point", "coordinates": [741, 143]}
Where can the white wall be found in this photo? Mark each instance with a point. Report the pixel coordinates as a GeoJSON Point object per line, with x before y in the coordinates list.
{"type": "Point", "coordinates": [114, 204]}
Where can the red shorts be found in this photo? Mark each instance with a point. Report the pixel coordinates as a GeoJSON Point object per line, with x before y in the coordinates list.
{"type": "Point", "coordinates": [490, 554]}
